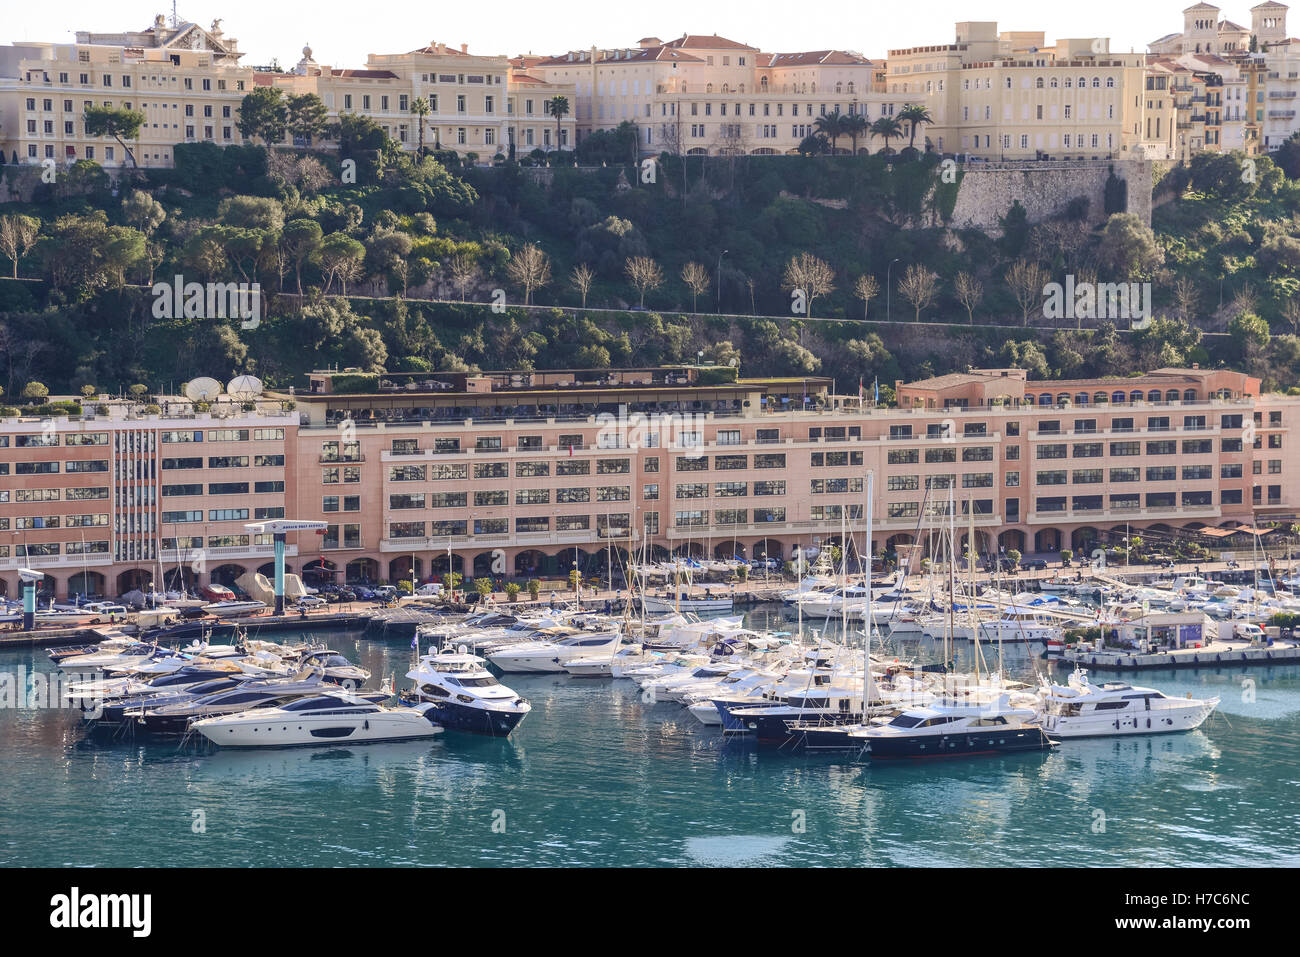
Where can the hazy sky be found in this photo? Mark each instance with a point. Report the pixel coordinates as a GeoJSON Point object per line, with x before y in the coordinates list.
{"type": "Point", "coordinates": [342, 32]}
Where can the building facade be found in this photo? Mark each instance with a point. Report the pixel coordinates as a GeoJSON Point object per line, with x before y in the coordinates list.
{"type": "Point", "coordinates": [712, 95]}
{"type": "Point", "coordinates": [523, 474]}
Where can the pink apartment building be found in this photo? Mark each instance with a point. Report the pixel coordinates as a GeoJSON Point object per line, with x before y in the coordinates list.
{"type": "Point", "coordinates": [523, 474]}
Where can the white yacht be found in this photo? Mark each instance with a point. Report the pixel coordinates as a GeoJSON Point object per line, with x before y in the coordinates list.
{"type": "Point", "coordinates": [955, 728]}
{"type": "Point", "coordinates": [701, 605]}
{"type": "Point", "coordinates": [1081, 709]}
{"type": "Point", "coordinates": [557, 646]}
{"type": "Point", "coordinates": [320, 719]}
{"type": "Point", "coordinates": [464, 695]}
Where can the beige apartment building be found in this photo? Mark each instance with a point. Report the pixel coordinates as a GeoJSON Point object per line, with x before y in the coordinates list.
{"type": "Point", "coordinates": [188, 82]}
{"type": "Point", "coordinates": [477, 104]}
{"type": "Point", "coordinates": [712, 95]}
{"type": "Point", "coordinates": [523, 473]}
{"type": "Point", "coordinates": [1009, 96]}
{"type": "Point", "coordinates": [189, 91]}
{"type": "Point", "coordinates": [1238, 87]}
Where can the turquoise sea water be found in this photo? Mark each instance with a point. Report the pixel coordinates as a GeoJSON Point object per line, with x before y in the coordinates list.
{"type": "Point", "coordinates": [596, 777]}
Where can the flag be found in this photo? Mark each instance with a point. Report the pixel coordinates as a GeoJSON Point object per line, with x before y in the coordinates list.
{"type": "Point", "coordinates": [877, 381]}
{"type": "Point", "coordinates": [415, 642]}
{"type": "Point", "coordinates": [862, 392]}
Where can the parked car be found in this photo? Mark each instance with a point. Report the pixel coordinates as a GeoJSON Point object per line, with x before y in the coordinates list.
{"type": "Point", "coordinates": [431, 588]}
{"type": "Point", "coordinates": [386, 592]}
{"type": "Point", "coordinates": [364, 593]}
{"type": "Point", "coordinates": [1033, 564]}
{"type": "Point", "coordinates": [310, 601]}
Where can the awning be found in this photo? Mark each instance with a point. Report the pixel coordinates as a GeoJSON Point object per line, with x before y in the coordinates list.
{"type": "Point", "coordinates": [1242, 530]}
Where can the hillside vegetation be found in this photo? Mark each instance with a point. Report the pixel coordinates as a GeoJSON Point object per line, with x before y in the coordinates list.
{"type": "Point", "coordinates": [624, 271]}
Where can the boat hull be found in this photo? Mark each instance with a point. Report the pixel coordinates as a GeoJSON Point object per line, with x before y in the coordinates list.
{"type": "Point", "coordinates": [976, 741]}
{"type": "Point", "coordinates": [290, 732]}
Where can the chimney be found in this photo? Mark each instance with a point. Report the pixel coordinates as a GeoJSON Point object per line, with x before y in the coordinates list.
{"type": "Point", "coordinates": [464, 48]}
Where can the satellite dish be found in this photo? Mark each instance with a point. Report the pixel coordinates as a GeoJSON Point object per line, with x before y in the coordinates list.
{"type": "Point", "coordinates": [202, 389]}
{"type": "Point", "coordinates": [244, 387]}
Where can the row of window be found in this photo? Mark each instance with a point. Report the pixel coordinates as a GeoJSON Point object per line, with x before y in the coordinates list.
{"type": "Point", "coordinates": [222, 515]}
{"type": "Point", "coordinates": [224, 462]}
{"type": "Point", "coordinates": [224, 488]}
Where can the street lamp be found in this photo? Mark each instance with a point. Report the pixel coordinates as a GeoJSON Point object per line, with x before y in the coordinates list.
{"type": "Point", "coordinates": [889, 290]}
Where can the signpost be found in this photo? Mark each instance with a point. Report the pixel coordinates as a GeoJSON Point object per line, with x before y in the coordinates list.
{"type": "Point", "coordinates": [278, 529]}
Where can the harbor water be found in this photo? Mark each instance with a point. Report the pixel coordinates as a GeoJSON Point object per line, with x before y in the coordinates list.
{"type": "Point", "coordinates": [595, 776]}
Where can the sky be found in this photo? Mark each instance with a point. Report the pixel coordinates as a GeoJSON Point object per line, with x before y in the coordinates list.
{"type": "Point", "coordinates": [343, 32]}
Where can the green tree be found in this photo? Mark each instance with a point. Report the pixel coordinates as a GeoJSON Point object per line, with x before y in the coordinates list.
{"type": "Point", "coordinates": [420, 107]}
{"type": "Point", "coordinates": [301, 239]}
{"type": "Point", "coordinates": [306, 116]}
{"type": "Point", "coordinates": [559, 108]}
{"type": "Point", "coordinates": [264, 114]}
{"type": "Point", "coordinates": [887, 128]}
{"type": "Point", "coordinates": [914, 115]}
{"type": "Point", "coordinates": [120, 124]}
{"type": "Point", "coordinates": [831, 125]}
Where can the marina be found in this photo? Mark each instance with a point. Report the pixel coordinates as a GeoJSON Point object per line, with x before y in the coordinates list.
{"type": "Point", "coordinates": [609, 771]}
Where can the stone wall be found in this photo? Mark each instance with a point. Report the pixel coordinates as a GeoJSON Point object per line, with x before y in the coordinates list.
{"type": "Point", "coordinates": [1046, 189]}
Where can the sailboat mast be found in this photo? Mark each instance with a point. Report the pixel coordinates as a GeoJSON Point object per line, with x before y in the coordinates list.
{"type": "Point", "coordinates": [866, 641]}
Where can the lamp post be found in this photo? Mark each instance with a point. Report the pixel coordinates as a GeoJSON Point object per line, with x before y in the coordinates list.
{"type": "Point", "coordinates": [719, 275]}
{"type": "Point", "coordinates": [889, 290]}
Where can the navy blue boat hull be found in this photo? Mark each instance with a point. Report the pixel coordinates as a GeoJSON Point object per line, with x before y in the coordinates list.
{"type": "Point", "coordinates": [961, 743]}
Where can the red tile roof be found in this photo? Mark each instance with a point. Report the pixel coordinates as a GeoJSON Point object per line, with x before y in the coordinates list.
{"type": "Point", "coordinates": [697, 41]}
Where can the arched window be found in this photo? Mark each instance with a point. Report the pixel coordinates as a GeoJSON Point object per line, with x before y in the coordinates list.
{"type": "Point", "coordinates": [762, 84]}
{"type": "Point", "coordinates": [1045, 399]}
{"type": "Point", "coordinates": [1110, 82]}
{"type": "Point", "coordinates": [1189, 395]}
{"type": "Point", "coordinates": [839, 87]}
{"type": "Point", "coordinates": [1153, 395]}
{"type": "Point", "coordinates": [1171, 395]}
{"type": "Point", "coordinates": [850, 86]}
{"type": "Point", "coordinates": [726, 88]}
{"type": "Point", "coordinates": [1098, 397]}
{"type": "Point", "coordinates": [1083, 82]}
{"type": "Point", "coordinates": [1038, 83]}
{"type": "Point", "coordinates": [1053, 83]}
{"type": "Point", "coordinates": [1135, 395]}
{"type": "Point", "coordinates": [1069, 84]}
{"type": "Point", "coordinates": [1063, 398]}
{"type": "Point", "coordinates": [1096, 82]}
{"type": "Point", "coordinates": [708, 88]}
{"type": "Point", "coordinates": [742, 88]}
{"type": "Point", "coordinates": [1081, 398]}
{"type": "Point", "coordinates": [1117, 397]}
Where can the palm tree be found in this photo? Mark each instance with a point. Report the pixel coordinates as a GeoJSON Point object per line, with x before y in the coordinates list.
{"type": "Point", "coordinates": [421, 109]}
{"type": "Point", "coordinates": [831, 125]}
{"type": "Point", "coordinates": [559, 109]}
{"type": "Point", "coordinates": [855, 125]}
{"type": "Point", "coordinates": [887, 128]}
{"type": "Point", "coordinates": [915, 115]}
